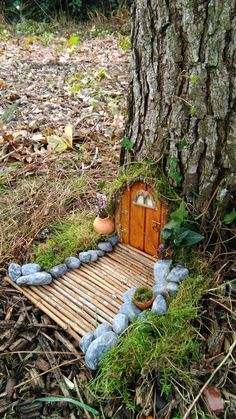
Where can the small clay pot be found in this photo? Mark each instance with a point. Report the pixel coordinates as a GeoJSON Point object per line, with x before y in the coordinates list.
{"type": "Point", "coordinates": [144, 306]}
{"type": "Point", "coordinates": [103, 225]}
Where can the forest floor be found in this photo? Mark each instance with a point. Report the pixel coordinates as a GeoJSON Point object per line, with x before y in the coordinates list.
{"type": "Point", "coordinates": [62, 114]}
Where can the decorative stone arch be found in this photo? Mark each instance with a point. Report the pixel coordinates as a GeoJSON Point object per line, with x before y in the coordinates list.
{"type": "Point", "coordinates": [140, 216]}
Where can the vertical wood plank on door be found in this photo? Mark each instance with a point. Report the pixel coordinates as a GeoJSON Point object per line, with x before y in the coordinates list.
{"type": "Point", "coordinates": [125, 216]}
{"type": "Point", "coordinates": [152, 227]}
{"type": "Point", "coordinates": [137, 218]}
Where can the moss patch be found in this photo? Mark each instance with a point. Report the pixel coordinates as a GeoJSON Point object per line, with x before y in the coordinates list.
{"type": "Point", "coordinates": [70, 236]}
{"type": "Point", "coordinates": [162, 346]}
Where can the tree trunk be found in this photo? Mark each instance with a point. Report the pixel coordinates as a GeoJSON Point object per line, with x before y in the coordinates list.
{"type": "Point", "coordinates": [181, 108]}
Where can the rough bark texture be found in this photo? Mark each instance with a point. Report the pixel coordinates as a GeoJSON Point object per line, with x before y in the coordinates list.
{"type": "Point", "coordinates": [182, 92]}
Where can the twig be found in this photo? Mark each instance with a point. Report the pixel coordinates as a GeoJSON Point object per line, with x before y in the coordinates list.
{"type": "Point", "coordinates": [46, 372]}
{"type": "Point", "coordinates": [92, 162]}
{"type": "Point", "coordinates": [210, 378]}
{"type": "Point", "coordinates": [42, 353]}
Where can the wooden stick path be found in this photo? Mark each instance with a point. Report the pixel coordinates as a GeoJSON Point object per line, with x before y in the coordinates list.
{"type": "Point", "coordinates": [92, 294]}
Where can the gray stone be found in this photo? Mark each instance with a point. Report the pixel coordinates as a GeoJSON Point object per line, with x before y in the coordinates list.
{"type": "Point", "coordinates": [105, 246]}
{"type": "Point", "coordinates": [159, 305]}
{"type": "Point", "coordinates": [14, 271]}
{"type": "Point", "coordinates": [85, 342]}
{"type": "Point", "coordinates": [94, 255]}
{"type": "Point", "coordinates": [113, 240]}
{"type": "Point", "coordinates": [85, 257]}
{"type": "Point", "coordinates": [160, 288]}
{"type": "Point", "coordinates": [58, 270]}
{"type": "Point", "coordinates": [98, 348]}
{"type": "Point", "coordinates": [161, 270]}
{"type": "Point", "coordinates": [177, 274]}
{"type": "Point", "coordinates": [100, 253]}
{"type": "Point", "coordinates": [101, 329]}
{"type": "Point", "coordinates": [130, 310]}
{"type": "Point", "coordinates": [30, 268]}
{"type": "Point", "coordinates": [172, 288]}
{"type": "Point", "coordinates": [39, 278]}
{"type": "Point", "coordinates": [119, 323]}
{"type": "Point", "coordinates": [72, 262]}
{"type": "Point", "coordinates": [128, 295]}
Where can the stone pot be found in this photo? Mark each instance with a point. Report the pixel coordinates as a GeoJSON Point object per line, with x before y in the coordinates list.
{"type": "Point", "coordinates": [103, 225]}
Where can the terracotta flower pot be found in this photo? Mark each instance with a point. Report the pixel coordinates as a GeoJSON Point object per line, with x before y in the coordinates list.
{"type": "Point", "coordinates": [103, 225]}
{"type": "Point", "coordinates": [141, 299]}
{"type": "Point", "coordinates": [144, 306]}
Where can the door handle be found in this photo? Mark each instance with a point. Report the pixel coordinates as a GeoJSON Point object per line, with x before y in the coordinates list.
{"type": "Point", "coordinates": [155, 225]}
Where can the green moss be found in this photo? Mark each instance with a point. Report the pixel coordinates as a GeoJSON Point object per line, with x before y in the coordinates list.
{"type": "Point", "coordinates": [70, 236]}
{"type": "Point", "coordinates": [162, 346]}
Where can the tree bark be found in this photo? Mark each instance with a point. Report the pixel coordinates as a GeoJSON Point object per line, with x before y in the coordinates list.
{"type": "Point", "coordinates": [181, 106]}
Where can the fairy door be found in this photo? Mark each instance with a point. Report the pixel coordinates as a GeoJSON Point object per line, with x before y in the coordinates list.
{"type": "Point", "coordinates": [140, 217]}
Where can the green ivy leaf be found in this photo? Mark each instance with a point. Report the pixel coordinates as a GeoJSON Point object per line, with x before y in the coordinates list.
{"type": "Point", "coordinates": [165, 234]}
{"type": "Point", "coordinates": [180, 214]}
{"type": "Point", "coordinates": [185, 237]}
{"type": "Point", "coordinates": [229, 218]}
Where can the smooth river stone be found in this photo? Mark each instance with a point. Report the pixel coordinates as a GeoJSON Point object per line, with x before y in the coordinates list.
{"type": "Point", "coordinates": [85, 341]}
{"type": "Point", "coordinates": [72, 262]}
{"type": "Point", "coordinates": [177, 274]}
{"type": "Point", "coordinates": [160, 288]}
{"type": "Point", "coordinates": [98, 348]}
{"type": "Point", "coordinates": [120, 323]}
{"type": "Point", "coordinates": [159, 305]}
{"type": "Point", "coordinates": [101, 329]}
{"type": "Point", "coordinates": [30, 268]}
{"type": "Point", "coordinates": [105, 246]}
{"type": "Point", "coordinates": [39, 278]}
{"type": "Point", "coordinates": [85, 257]}
{"type": "Point", "coordinates": [58, 270]}
{"type": "Point", "coordinates": [128, 295]}
{"type": "Point", "coordinates": [14, 271]}
{"type": "Point", "coordinates": [94, 255]}
{"type": "Point", "coordinates": [113, 240]}
{"type": "Point", "coordinates": [130, 310]}
{"type": "Point", "coordinates": [161, 270]}
{"type": "Point", "coordinates": [172, 288]}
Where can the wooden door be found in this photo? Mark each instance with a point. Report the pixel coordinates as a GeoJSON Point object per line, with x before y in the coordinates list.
{"type": "Point", "coordinates": [140, 217]}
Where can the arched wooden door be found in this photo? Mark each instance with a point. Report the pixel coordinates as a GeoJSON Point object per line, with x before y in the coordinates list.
{"type": "Point", "coordinates": [140, 218]}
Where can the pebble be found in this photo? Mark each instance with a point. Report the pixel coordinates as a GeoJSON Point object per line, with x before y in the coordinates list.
{"type": "Point", "coordinates": [94, 255]}
{"type": "Point", "coordinates": [119, 323]}
{"type": "Point", "coordinates": [98, 348]}
{"type": "Point", "coordinates": [85, 257]}
{"type": "Point", "coordinates": [161, 269]}
{"type": "Point", "coordinates": [160, 288]}
{"type": "Point", "coordinates": [58, 270]}
{"type": "Point", "coordinates": [113, 240]}
{"type": "Point", "coordinates": [72, 262]}
{"type": "Point", "coordinates": [100, 253]}
{"type": "Point", "coordinates": [172, 288]}
{"type": "Point", "coordinates": [159, 305]}
{"type": "Point", "coordinates": [101, 329]}
{"type": "Point", "coordinates": [128, 295]}
{"type": "Point", "coordinates": [30, 268]}
{"type": "Point", "coordinates": [85, 341]}
{"type": "Point", "coordinates": [39, 278]}
{"type": "Point", "coordinates": [177, 274]}
{"type": "Point", "coordinates": [14, 271]}
{"type": "Point", "coordinates": [105, 246]}
{"type": "Point", "coordinates": [130, 310]}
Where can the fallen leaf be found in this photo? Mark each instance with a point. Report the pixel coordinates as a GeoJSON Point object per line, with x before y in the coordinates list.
{"type": "Point", "coordinates": [214, 399]}
{"type": "Point", "coordinates": [69, 135]}
{"type": "Point", "coordinates": [57, 143]}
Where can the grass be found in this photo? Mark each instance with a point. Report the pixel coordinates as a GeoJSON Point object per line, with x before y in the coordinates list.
{"type": "Point", "coordinates": [70, 236]}
{"type": "Point", "coordinates": [159, 346]}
